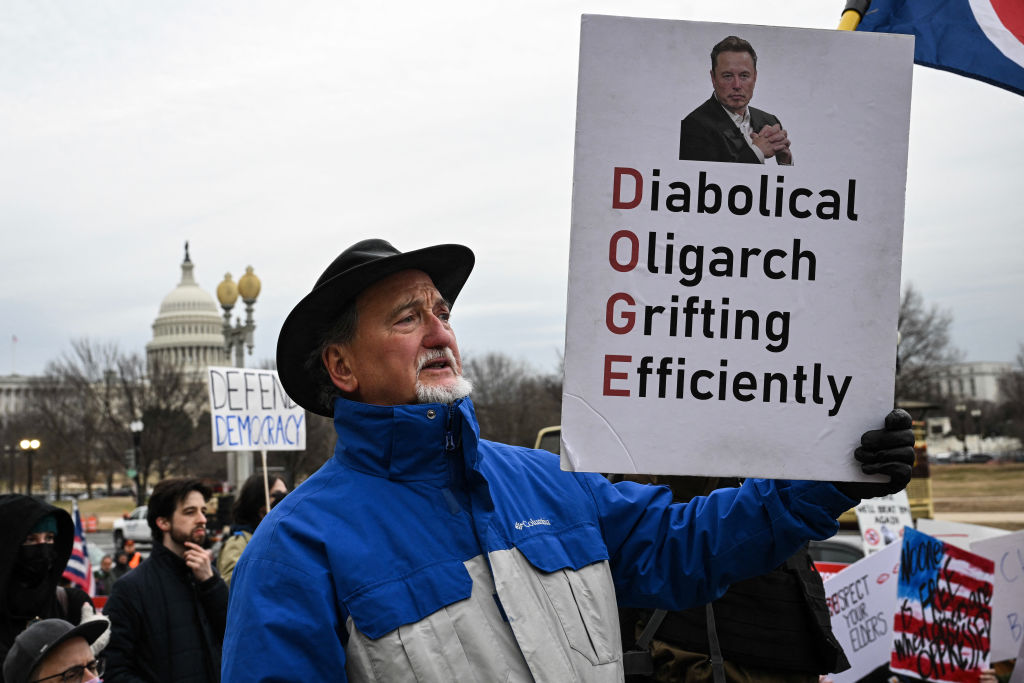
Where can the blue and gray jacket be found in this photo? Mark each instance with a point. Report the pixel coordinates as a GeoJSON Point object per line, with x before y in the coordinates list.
{"type": "Point", "coordinates": [422, 552]}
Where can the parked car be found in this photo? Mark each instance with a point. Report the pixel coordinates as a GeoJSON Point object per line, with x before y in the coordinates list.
{"type": "Point", "coordinates": [134, 526]}
{"type": "Point", "coordinates": [843, 548]}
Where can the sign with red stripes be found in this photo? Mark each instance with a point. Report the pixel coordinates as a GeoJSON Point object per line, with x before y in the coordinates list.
{"type": "Point", "coordinates": [943, 623]}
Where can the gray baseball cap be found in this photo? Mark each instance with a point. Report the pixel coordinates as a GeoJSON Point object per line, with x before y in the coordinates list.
{"type": "Point", "coordinates": [33, 643]}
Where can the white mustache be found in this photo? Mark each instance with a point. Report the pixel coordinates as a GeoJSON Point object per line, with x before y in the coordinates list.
{"type": "Point", "coordinates": [433, 354]}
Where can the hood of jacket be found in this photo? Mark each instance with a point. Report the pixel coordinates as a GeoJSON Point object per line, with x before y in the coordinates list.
{"type": "Point", "coordinates": [18, 514]}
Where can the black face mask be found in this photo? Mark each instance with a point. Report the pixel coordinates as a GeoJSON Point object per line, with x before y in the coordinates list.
{"type": "Point", "coordinates": [35, 562]}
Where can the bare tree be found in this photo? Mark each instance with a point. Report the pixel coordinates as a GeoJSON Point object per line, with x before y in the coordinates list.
{"type": "Point", "coordinates": [1009, 417]}
{"type": "Point", "coordinates": [87, 399]}
{"type": "Point", "coordinates": [512, 400]}
{"type": "Point", "coordinates": [925, 348]}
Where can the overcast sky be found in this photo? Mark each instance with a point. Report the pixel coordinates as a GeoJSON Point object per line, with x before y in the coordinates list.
{"type": "Point", "coordinates": [276, 134]}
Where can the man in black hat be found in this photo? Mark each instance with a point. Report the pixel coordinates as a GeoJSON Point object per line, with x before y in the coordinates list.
{"type": "Point", "coordinates": [421, 551]}
{"type": "Point", "coordinates": [54, 650]}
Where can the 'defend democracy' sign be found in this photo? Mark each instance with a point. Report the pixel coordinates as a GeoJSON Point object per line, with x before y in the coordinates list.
{"type": "Point", "coordinates": [727, 316]}
{"type": "Point", "coordinates": [251, 411]}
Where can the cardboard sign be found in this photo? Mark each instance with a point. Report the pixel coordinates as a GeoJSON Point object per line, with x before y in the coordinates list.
{"type": "Point", "coordinates": [943, 624]}
{"type": "Point", "coordinates": [733, 318]}
{"type": "Point", "coordinates": [861, 601]}
{"type": "Point", "coordinates": [1007, 554]}
{"type": "Point", "coordinates": [882, 520]}
{"type": "Point", "coordinates": [249, 410]}
{"type": "Point", "coordinates": [958, 533]}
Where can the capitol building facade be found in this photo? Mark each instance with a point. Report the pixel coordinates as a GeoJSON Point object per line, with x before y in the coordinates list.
{"type": "Point", "coordinates": [188, 329]}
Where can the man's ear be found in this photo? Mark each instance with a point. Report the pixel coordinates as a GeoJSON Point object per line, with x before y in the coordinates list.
{"type": "Point", "coordinates": [336, 360]}
{"type": "Point", "coordinates": [163, 524]}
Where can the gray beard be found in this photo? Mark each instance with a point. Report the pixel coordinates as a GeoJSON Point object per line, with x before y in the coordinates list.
{"type": "Point", "coordinates": [448, 393]}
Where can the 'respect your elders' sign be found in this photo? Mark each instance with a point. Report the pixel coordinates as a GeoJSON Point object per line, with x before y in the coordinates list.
{"type": "Point", "coordinates": [861, 600]}
{"type": "Point", "coordinates": [251, 411]}
{"type": "Point", "coordinates": [731, 318]}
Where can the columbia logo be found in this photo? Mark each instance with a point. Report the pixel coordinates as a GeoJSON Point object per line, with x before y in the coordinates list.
{"type": "Point", "coordinates": [531, 522]}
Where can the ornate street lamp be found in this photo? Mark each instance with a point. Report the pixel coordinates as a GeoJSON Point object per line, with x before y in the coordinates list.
{"type": "Point", "coordinates": [9, 453]}
{"type": "Point", "coordinates": [238, 336]}
{"type": "Point", "coordinates": [961, 413]}
{"type": "Point", "coordinates": [133, 466]}
{"type": "Point", "coordinates": [976, 416]}
{"type": "Point", "coordinates": [29, 447]}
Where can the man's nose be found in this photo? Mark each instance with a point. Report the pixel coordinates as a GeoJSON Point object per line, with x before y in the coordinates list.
{"type": "Point", "coordinates": [202, 517]}
{"type": "Point", "coordinates": [438, 333]}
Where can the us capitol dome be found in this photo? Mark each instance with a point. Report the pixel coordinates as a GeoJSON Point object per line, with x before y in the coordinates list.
{"type": "Point", "coordinates": [188, 330]}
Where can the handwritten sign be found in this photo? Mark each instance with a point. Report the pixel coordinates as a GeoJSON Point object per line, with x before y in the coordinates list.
{"type": "Point", "coordinates": [861, 601]}
{"type": "Point", "coordinates": [1007, 553]}
{"type": "Point", "coordinates": [943, 624]}
{"type": "Point", "coordinates": [882, 520]}
{"type": "Point", "coordinates": [726, 318]}
{"type": "Point", "coordinates": [249, 410]}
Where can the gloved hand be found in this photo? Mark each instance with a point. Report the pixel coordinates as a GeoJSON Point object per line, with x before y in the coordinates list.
{"type": "Point", "coordinates": [888, 451]}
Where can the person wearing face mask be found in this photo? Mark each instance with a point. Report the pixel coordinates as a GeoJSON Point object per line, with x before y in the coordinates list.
{"type": "Point", "coordinates": [35, 544]}
{"type": "Point", "coordinates": [249, 509]}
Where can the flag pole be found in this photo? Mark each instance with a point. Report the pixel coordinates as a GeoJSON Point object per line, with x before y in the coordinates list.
{"type": "Point", "coordinates": [852, 14]}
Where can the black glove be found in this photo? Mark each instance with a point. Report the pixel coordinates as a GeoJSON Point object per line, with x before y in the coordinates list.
{"type": "Point", "coordinates": [887, 451]}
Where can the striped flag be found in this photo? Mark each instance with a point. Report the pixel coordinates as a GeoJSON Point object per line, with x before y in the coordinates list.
{"type": "Point", "coordinates": [943, 622]}
{"type": "Point", "coordinates": [982, 39]}
{"type": "Point", "coordinates": [79, 569]}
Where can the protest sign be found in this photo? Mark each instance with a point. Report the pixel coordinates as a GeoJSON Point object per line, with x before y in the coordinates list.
{"type": "Point", "coordinates": [943, 621]}
{"type": "Point", "coordinates": [957, 533]}
{"type": "Point", "coordinates": [861, 602]}
{"type": "Point", "coordinates": [249, 410]}
{"type": "Point", "coordinates": [1007, 553]}
{"type": "Point", "coordinates": [733, 318]}
{"type": "Point", "coordinates": [881, 521]}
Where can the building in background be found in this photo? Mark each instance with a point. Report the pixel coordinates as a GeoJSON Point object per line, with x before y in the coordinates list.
{"type": "Point", "coordinates": [188, 329]}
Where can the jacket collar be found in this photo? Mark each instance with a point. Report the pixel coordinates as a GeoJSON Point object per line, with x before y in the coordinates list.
{"type": "Point", "coordinates": [404, 442]}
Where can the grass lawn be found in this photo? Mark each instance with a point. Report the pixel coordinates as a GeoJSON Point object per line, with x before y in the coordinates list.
{"type": "Point", "coordinates": [992, 487]}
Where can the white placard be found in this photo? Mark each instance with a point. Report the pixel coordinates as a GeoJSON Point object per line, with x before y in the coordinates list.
{"type": "Point", "coordinates": [731, 318]}
{"type": "Point", "coordinates": [1008, 592]}
{"type": "Point", "coordinates": [881, 521]}
{"type": "Point", "coordinates": [862, 601]}
{"type": "Point", "coordinates": [249, 410]}
{"type": "Point", "coordinates": [960, 534]}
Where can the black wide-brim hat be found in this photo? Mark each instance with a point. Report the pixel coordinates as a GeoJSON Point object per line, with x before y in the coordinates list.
{"type": "Point", "coordinates": [355, 269]}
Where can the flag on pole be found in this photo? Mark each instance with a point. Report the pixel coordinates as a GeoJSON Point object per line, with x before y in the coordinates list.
{"type": "Point", "coordinates": [79, 569]}
{"type": "Point", "coordinates": [982, 39]}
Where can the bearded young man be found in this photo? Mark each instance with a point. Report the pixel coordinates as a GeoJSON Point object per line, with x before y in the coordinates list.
{"type": "Point", "coordinates": [167, 616]}
{"type": "Point", "coordinates": [421, 551]}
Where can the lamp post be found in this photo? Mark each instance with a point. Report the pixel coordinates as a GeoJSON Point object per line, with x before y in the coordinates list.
{"type": "Point", "coordinates": [976, 417]}
{"type": "Point", "coordinates": [133, 469]}
{"type": "Point", "coordinates": [961, 413]}
{"type": "Point", "coordinates": [29, 447]}
{"type": "Point", "coordinates": [236, 338]}
{"type": "Point", "coordinates": [9, 452]}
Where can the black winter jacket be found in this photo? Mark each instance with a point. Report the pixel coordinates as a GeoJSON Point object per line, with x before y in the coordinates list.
{"type": "Point", "coordinates": [164, 625]}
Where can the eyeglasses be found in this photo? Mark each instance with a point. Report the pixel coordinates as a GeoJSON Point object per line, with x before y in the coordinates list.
{"type": "Point", "coordinates": [76, 673]}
